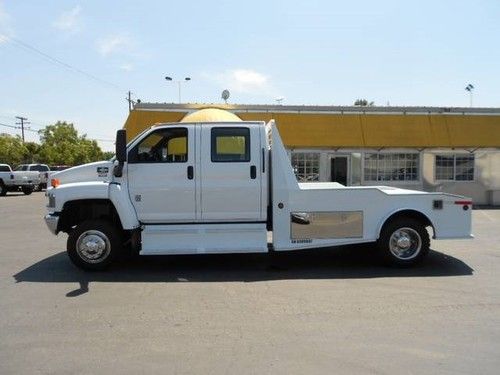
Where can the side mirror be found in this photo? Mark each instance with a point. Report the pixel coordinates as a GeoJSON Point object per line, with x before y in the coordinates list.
{"type": "Point", "coordinates": [120, 151]}
{"type": "Point", "coordinates": [121, 145]}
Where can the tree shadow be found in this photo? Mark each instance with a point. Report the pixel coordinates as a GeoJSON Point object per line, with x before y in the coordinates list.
{"type": "Point", "coordinates": [350, 262]}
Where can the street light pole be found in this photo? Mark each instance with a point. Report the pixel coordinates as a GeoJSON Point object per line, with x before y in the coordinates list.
{"type": "Point", "coordinates": [470, 89]}
{"type": "Point", "coordinates": [179, 84]}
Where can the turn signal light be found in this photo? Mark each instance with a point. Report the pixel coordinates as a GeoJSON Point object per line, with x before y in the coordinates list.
{"type": "Point", "coordinates": [54, 182]}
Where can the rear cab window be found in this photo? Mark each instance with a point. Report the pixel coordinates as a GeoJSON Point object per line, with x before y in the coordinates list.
{"type": "Point", "coordinates": [39, 168]}
{"type": "Point", "coordinates": [230, 145]}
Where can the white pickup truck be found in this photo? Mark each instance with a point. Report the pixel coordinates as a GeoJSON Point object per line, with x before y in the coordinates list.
{"type": "Point", "coordinates": [43, 172]}
{"type": "Point", "coordinates": [192, 188]}
{"type": "Point", "coordinates": [15, 180]}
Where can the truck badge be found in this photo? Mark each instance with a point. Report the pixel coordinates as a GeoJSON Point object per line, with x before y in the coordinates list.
{"type": "Point", "coordinates": [102, 171]}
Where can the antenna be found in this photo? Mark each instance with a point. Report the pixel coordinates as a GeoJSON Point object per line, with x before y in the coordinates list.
{"type": "Point", "coordinates": [225, 95]}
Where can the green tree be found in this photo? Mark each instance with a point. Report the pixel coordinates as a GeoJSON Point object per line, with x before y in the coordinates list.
{"type": "Point", "coordinates": [61, 144]}
{"type": "Point", "coordinates": [12, 150]}
{"type": "Point", "coordinates": [106, 155]}
{"type": "Point", "coordinates": [32, 152]}
{"type": "Point", "coordinates": [363, 103]}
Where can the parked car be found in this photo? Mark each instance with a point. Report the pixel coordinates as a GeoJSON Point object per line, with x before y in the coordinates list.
{"type": "Point", "coordinates": [42, 169]}
{"type": "Point", "coordinates": [24, 181]}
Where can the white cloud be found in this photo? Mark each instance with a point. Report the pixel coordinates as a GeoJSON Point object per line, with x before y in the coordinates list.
{"type": "Point", "coordinates": [113, 44]}
{"type": "Point", "coordinates": [69, 20]}
{"type": "Point", "coordinates": [241, 80]}
{"type": "Point", "coordinates": [5, 25]}
{"type": "Point", "coordinates": [128, 67]}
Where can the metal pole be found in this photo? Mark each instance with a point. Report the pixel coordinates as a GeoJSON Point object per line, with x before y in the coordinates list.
{"type": "Point", "coordinates": [129, 101]}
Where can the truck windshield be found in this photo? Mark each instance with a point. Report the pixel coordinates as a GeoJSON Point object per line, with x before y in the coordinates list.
{"type": "Point", "coordinates": [21, 168]}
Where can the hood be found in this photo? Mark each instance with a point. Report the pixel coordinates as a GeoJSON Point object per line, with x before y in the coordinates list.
{"type": "Point", "coordinates": [98, 171]}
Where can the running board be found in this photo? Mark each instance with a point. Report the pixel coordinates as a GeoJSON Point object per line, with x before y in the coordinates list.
{"type": "Point", "coordinates": [204, 239]}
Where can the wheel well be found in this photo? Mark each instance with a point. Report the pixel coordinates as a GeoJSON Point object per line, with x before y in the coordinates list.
{"type": "Point", "coordinates": [75, 212]}
{"type": "Point", "coordinates": [412, 214]}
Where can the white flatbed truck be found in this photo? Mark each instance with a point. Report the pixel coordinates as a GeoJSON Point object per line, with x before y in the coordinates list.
{"type": "Point", "coordinates": [199, 188]}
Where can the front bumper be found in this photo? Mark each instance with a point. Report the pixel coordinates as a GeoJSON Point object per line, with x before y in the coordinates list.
{"type": "Point", "coordinates": [52, 220]}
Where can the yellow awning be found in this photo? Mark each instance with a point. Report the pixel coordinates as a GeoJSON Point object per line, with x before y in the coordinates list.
{"type": "Point", "coordinates": [316, 130]}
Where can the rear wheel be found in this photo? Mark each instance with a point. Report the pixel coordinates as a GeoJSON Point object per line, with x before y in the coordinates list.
{"type": "Point", "coordinates": [404, 242]}
{"type": "Point", "coordinates": [94, 244]}
{"type": "Point", "coordinates": [27, 190]}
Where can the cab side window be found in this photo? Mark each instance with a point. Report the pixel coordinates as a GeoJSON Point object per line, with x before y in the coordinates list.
{"type": "Point", "coordinates": [161, 146]}
{"type": "Point", "coordinates": [230, 144]}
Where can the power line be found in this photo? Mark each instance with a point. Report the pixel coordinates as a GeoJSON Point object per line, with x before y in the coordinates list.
{"type": "Point", "coordinates": [56, 61]}
{"type": "Point", "coordinates": [9, 126]}
{"type": "Point", "coordinates": [39, 127]}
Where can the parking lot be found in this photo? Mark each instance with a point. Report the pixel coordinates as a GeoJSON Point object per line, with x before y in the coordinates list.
{"type": "Point", "coordinates": [326, 311]}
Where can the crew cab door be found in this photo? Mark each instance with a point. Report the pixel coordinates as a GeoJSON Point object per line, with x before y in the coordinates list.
{"type": "Point", "coordinates": [160, 175]}
{"type": "Point", "coordinates": [231, 174]}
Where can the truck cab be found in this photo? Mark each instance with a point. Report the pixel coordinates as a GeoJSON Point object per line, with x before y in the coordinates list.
{"type": "Point", "coordinates": [219, 187]}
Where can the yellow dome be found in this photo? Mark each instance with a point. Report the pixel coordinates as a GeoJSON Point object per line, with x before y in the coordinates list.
{"type": "Point", "coordinates": [211, 115]}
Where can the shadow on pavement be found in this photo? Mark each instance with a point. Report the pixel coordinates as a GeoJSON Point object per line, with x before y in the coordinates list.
{"type": "Point", "coordinates": [341, 263]}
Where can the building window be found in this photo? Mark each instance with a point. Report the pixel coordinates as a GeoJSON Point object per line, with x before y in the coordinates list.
{"type": "Point", "coordinates": [306, 166]}
{"type": "Point", "coordinates": [391, 166]}
{"type": "Point", "coordinates": [455, 167]}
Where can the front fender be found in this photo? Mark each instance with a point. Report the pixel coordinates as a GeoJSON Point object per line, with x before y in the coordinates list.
{"type": "Point", "coordinates": [126, 211]}
{"type": "Point", "coordinates": [97, 190]}
{"type": "Point", "coordinates": [78, 191]}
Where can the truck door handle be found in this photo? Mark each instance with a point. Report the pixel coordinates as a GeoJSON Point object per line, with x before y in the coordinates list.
{"type": "Point", "coordinates": [263, 160]}
{"type": "Point", "coordinates": [253, 172]}
{"type": "Point", "coordinates": [190, 173]}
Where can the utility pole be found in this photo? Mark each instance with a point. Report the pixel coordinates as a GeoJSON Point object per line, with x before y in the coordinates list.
{"type": "Point", "coordinates": [23, 121]}
{"type": "Point", "coordinates": [129, 100]}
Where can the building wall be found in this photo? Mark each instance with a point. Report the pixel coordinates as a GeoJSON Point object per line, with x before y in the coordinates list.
{"type": "Point", "coordinates": [351, 131]}
{"type": "Point", "coordinates": [484, 189]}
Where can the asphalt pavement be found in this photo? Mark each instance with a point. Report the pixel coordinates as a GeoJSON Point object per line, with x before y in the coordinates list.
{"type": "Point", "coordinates": [335, 311]}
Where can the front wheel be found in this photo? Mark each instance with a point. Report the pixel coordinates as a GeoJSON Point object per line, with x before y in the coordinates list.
{"type": "Point", "coordinates": [27, 190]}
{"type": "Point", "coordinates": [404, 242]}
{"type": "Point", "coordinates": [94, 244]}
{"type": "Point", "coordinates": [3, 189]}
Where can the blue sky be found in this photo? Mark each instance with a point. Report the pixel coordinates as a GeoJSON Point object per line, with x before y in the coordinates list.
{"type": "Point", "coordinates": [309, 52]}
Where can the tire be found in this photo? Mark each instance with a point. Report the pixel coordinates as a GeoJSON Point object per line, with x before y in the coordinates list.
{"type": "Point", "coordinates": [3, 190]}
{"type": "Point", "coordinates": [94, 244]}
{"type": "Point", "coordinates": [27, 190]}
{"type": "Point", "coordinates": [404, 242]}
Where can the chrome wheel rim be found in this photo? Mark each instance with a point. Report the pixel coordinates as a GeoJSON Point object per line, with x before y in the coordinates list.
{"type": "Point", "coordinates": [405, 243]}
{"type": "Point", "coordinates": [93, 246]}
